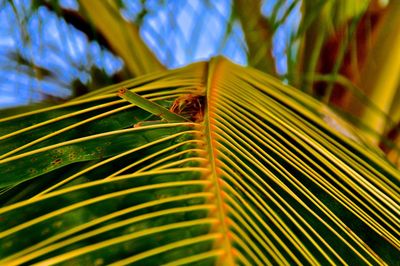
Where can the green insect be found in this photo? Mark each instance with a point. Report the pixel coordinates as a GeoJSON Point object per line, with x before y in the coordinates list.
{"type": "Point", "coordinates": [149, 106]}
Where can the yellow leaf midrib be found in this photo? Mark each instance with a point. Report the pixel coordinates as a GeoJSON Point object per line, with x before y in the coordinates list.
{"type": "Point", "coordinates": [212, 73]}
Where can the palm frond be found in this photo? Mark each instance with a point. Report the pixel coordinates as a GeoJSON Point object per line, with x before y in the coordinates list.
{"type": "Point", "coordinates": [262, 179]}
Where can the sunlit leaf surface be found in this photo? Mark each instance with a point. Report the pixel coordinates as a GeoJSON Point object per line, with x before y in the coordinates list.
{"type": "Point", "coordinates": [264, 175]}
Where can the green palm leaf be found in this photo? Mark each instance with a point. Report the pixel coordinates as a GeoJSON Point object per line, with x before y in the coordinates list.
{"type": "Point", "coordinates": [262, 179]}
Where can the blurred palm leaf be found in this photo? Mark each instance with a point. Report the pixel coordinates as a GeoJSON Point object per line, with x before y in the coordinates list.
{"type": "Point", "coordinates": [258, 32]}
{"type": "Point", "coordinates": [263, 179]}
{"type": "Point", "coordinates": [122, 36]}
{"type": "Point", "coordinates": [379, 77]}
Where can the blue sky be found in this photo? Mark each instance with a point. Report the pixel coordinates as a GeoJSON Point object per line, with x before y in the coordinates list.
{"type": "Point", "coordinates": [179, 32]}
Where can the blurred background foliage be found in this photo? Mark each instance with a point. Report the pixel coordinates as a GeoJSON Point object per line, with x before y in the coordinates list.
{"type": "Point", "coordinates": [344, 52]}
